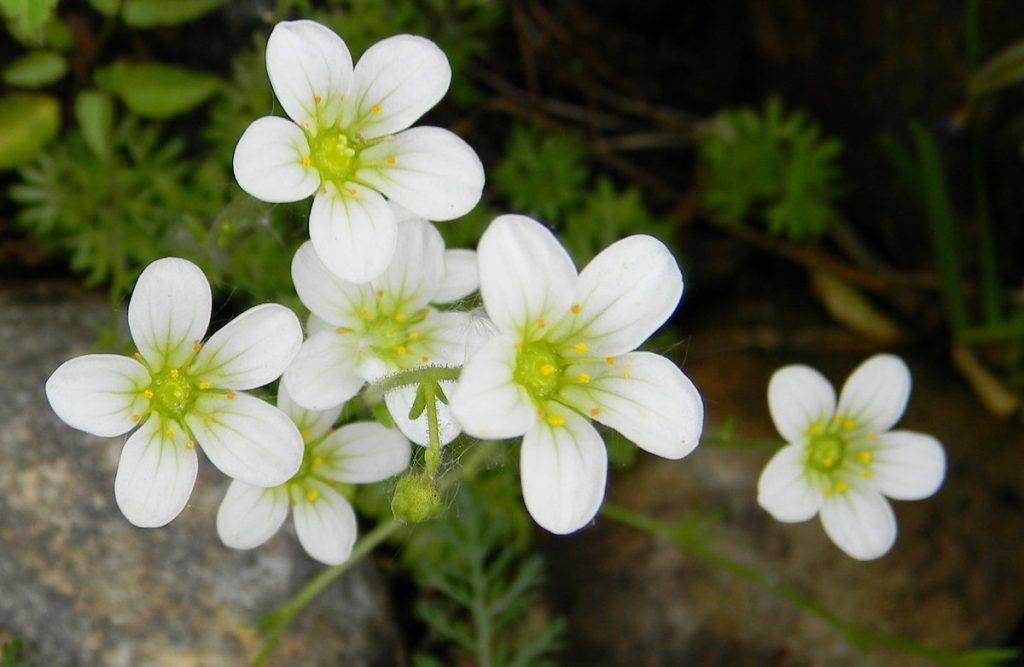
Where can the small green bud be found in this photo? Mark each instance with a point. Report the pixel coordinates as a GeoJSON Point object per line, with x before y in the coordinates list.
{"type": "Point", "coordinates": [416, 499]}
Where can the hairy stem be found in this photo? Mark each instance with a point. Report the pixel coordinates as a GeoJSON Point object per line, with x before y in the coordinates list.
{"type": "Point", "coordinates": [376, 391]}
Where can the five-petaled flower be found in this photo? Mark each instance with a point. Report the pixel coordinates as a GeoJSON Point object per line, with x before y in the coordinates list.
{"type": "Point", "coordinates": [565, 355]}
{"type": "Point", "coordinates": [363, 332]}
{"type": "Point", "coordinates": [357, 453]}
{"type": "Point", "coordinates": [180, 392]}
{"type": "Point", "coordinates": [349, 143]}
{"type": "Point", "coordinates": [843, 459]}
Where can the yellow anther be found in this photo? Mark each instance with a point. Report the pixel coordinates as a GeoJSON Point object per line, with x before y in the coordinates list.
{"type": "Point", "coordinates": [840, 487]}
{"type": "Point", "coordinates": [344, 97]}
{"type": "Point", "coordinates": [174, 373]}
{"type": "Point", "coordinates": [626, 373]}
{"type": "Point", "coordinates": [318, 461]}
{"type": "Point", "coordinates": [341, 330]}
{"type": "Point", "coordinates": [583, 378]}
{"type": "Point", "coordinates": [136, 418]}
{"type": "Point", "coordinates": [595, 412]}
{"type": "Point", "coordinates": [864, 457]}
{"type": "Point", "coordinates": [213, 420]}
{"type": "Point", "coordinates": [837, 420]}
{"type": "Point", "coordinates": [197, 346]}
{"type": "Point", "coordinates": [401, 350]}
{"type": "Point", "coordinates": [380, 293]}
{"type": "Point", "coordinates": [540, 410]}
{"type": "Point", "coordinates": [230, 395]}
{"type": "Point", "coordinates": [305, 433]}
{"type": "Point", "coordinates": [390, 159]}
{"type": "Point", "coordinates": [204, 385]}
{"type": "Point", "coordinates": [323, 189]}
{"type": "Point", "coordinates": [375, 109]}
{"type": "Point", "coordinates": [306, 162]}
{"type": "Point", "coordinates": [556, 420]}
{"type": "Point", "coordinates": [826, 491]}
{"type": "Point", "coordinates": [865, 474]}
{"type": "Point", "coordinates": [305, 124]}
{"type": "Point", "coordinates": [351, 192]}
{"type": "Point", "coordinates": [519, 346]}
{"type": "Point", "coordinates": [872, 436]}
{"type": "Point", "coordinates": [849, 425]}
{"type": "Point", "coordinates": [148, 394]}
{"type": "Point", "coordinates": [541, 323]}
{"type": "Point", "coordinates": [400, 317]}
{"type": "Point", "coordinates": [610, 361]}
{"type": "Point", "coordinates": [316, 99]}
{"type": "Point", "coordinates": [815, 428]}
{"type": "Point", "coordinates": [547, 369]}
{"type": "Point", "coordinates": [576, 309]}
{"type": "Point", "coordinates": [138, 355]}
{"type": "Point", "coordinates": [169, 433]}
{"type": "Point", "coordinates": [190, 445]}
{"type": "Point", "coordinates": [414, 335]}
{"type": "Point", "coordinates": [580, 347]}
{"type": "Point", "coordinates": [424, 358]}
{"type": "Point", "coordinates": [312, 495]}
{"type": "Point", "coordinates": [828, 462]}
{"type": "Point", "coordinates": [364, 313]}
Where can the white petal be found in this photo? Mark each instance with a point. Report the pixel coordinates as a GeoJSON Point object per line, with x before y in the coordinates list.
{"type": "Point", "coordinates": [525, 274]}
{"type": "Point", "coordinates": [860, 522]}
{"type": "Point", "coordinates": [330, 298]}
{"type": "Point", "coordinates": [169, 311]}
{"type": "Point", "coordinates": [876, 393]}
{"type": "Point", "coordinates": [363, 452]}
{"type": "Point", "coordinates": [461, 276]}
{"type": "Point", "coordinates": [353, 232]}
{"type": "Point", "coordinates": [99, 393]}
{"type": "Point", "coordinates": [563, 470]}
{"type": "Point", "coordinates": [310, 69]}
{"type": "Point", "coordinates": [312, 423]}
{"type": "Point", "coordinates": [315, 325]}
{"type": "Point", "coordinates": [486, 401]}
{"type": "Point", "coordinates": [399, 403]}
{"type": "Point", "coordinates": [643, 396]}
{"type": "Point", "coordinates": [428, 170]}
{"type": "Point", "coordinates": [251, 350]}
{"type": "Point", "coordinates": [797, 397]}
{"type": "Point", "coordinates": [416, 268]}
{"type": "Point", "coordinates": [396, 81]}
{"type": "Point", "coordinates": [268, 161]}
{"type": "Point", "coordinates": [324, 374]}
{"type": "Point", "coordinates": [246, 438]}
{"type": "Point", "coordinates": [624, 295]}
{"type": "Point", "coordinates": [326, 526]}
{"type": "Point", "coordinates": [451, 338]}
{"type": "Point", "coordinates": [250, 515]}
{"type": "Point", "coordinates": [907, 465]}
{"type": "Point", "coordinates": [784, 490]}
{"type": "Point", "coordinates": [156, 474]}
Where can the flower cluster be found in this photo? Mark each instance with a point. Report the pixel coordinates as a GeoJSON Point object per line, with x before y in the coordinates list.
{"type": "Point", "coordinates": [553, 351]}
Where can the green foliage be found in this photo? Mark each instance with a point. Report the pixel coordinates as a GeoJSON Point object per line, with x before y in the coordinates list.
{"type": "Point", "coordinates": [542, 175]}
{"type": "Point", "coordinates": [246, 96]}
{"type": "Point", "coordinates": [28, 16]}
{"type": "Point", "coordinates": [157, 13]}
{"type": "Point", "coordinates": [28, 121]}
{"type": "Point", "coordinates": [36, 69]}
{"type": "Point", "coordinates": [770, 166]}
{"type": "Point", "coordinates": [482, 588]}
{"type": "Point", "coordinates": [11, 654]}
{"type": "Point", "coordinates": [94, 112]}
{"type": "Point", "coordinates": [156, 90]}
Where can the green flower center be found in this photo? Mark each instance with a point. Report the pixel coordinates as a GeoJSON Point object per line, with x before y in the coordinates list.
{"type": "Point", "coordinates": [826, 451]}
{"type": "Point", "coordinates": [539, 369]}
{"type": "Point", "coordinates": [333, 154]}
{"type": "Point", "coordinates": [173, 393]}
{"type": "Point", "coordinates": [837, 452]}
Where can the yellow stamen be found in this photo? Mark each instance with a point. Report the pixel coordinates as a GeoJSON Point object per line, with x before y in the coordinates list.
{"type": "Point", "coordinates": [826, 491]}
{"type": "Point", "coordinates": [837, 420]}
{"type": "Point", "coordinates": [865, 474]}
{"type": "Point", "coordinates": [148, 394]}
{"type": "Point", "coordinates": [583, 378]}
{"type": "Point", "coordinates": [138, 355]}
{"type": "Point", "coordinates": [414, 335]}
{"type": "Point", "coordinates": [828, 462]}
{"type": "Point", "coordinates": [541, 323]}
{"type": "Point", "coordinates": [136, 418]}
{"type": "Point", "coordinates": [375, 109]}
{"type": "Point", "coordinates": [401, 350]}
{"type": "Point", "coordinates": [190, 445]}
{"type": "Point", "coordinates": [400, 317]}
{"type": "Point", "coordinates": [519, 346]}
{"type": "Point", "coordinates": [305, 124]}
{"type": "Point", "coordinates": [323, 189]}
{"type": "Point", "coordinates": [312, 495]}
{"type": "Point", "coordinates": [169, 433]}
{"type": "Point", "coordinates": [610, 361]}
{"type": "Point", "coordinates": [351, 192]}
{"type": "Point", "coordinates": [626, 373]}
{"type": "Point", "coordinates": [318, 461]}
{"type": "Point", "coordinates": [849, 425]}
{"type": "Point", "coordinates": [341, 330]}
{"type": "Point", "coordinates": [865, 457]}
{"type": "Point", "coordinates": [204, 385]}
{"type": "Point", "coordinates": [230, 395]}
{"type": "Point", "coordinates": [196, 347]}
{"type": "Point", "coordinates": [306, 162]}
{"type": "Point", "coordinates": [556, 420]}
{"type": "Point", "coordinates": [576, 309]}
{"type": "Point", "coordinates": [580, 347]}
{"type": "Point", "coordinates": [840, 487]}
{"type": "Point", "coordinates": [872, 436]}
{"type": "Point", "coordinates": [305, 433]}
{"type": "Point", "coordinates": [364, 313]}
{"type": "Point", "coordinates": [316, 99]}
{"type": "Point", "coordinates": [390, 159]}
{"type": "Point", "coordinates": [547, 369]}
{"type": "Point", "coordinates": [815, 428]}
{"type": "Point", "coordinates": [595, 412]}
{"type": "Point", "coordinates": [540, 410]}
{"type": "Point", "coordinates": [174, 373]}
{"type": "Point", "coordinates": [424, 358]}
{"type": "Point", "coordinates": [213, 420]}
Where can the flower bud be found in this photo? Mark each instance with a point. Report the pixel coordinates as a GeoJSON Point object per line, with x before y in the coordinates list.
{"type": "Point", "coordinates": [416, 499]}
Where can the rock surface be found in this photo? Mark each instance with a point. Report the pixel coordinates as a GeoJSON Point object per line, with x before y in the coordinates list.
{"type": "Point", "coordinates": [953, 580]}
{"type": "Point", "coordinates": [80, 585]}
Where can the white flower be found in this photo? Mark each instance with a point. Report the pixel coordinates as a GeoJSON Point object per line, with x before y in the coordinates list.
{"type": "Point", "coordinates": [565, 355]}
{"type": "Point", "coordinates": [349, 143]}
{"type": "Point", "coordinates": [325, 523]}
{"type": "Point", "coordinates": [363, 332]}
{"type": "Point", "coordinates": [842, 460]}
{"type": "Point", "coordinates": [180, 392]}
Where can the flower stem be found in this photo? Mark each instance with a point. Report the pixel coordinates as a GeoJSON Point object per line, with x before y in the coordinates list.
{"type": "Point", "coordinates": [693, 541]}
{"type": "Point", "coordinates": [432, 458]}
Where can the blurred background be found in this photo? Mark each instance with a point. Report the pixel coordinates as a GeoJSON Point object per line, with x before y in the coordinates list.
{"type": "Point", "coordinates": [836, 179]}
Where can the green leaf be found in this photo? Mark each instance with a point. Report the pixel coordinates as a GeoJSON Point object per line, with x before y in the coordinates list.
{"type": "Point", "coordinates": [156, 90]}
{"type": "Point", "coordinates": [54, 34]}
{"type": "Point", "coordinates": [95, 114]}
{"type": "Point", "coordinates": [1006, 68]}
{"type": "Point", "coordinates": [157, 13]}
{"type": "Point", "coordinates": [28, 15]}
{"type": "Point", "coordinates": [36, 69]}
{"type": "Point", "coordinates": [28, 121]}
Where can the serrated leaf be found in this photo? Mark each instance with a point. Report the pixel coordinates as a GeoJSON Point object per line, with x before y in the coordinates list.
{"type": "Point", "coordinates": [36, 69]}
{"type": "Point", "coordinates": [28, 121]}
{"type": "Point", "coordinates": [28, 15]}
{"type": "Point", "coordinates": [157, 13]}
{"type": "Point", "coordinates": [157, 90]}
{"type": "Point", "coordinates": [94, 111]}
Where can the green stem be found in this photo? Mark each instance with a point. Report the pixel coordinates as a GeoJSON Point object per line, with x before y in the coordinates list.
{"type": "Point", "coordinates": [863, 639]}
{"type": "Point", "coordinates": [432, 458]}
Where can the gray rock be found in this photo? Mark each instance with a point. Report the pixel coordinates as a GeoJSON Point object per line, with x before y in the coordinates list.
{"type": "Point", "coordinates": [953, 579]}
{"type": "Point", "coordinates": [80, 585]}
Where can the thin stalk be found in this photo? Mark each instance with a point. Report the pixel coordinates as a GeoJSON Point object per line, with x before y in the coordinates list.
{"type": "Point", "coordinates": [432, 458]}
{"type": "Point", "coordinates": [863, 639]}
